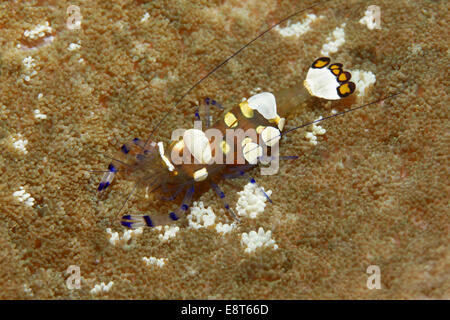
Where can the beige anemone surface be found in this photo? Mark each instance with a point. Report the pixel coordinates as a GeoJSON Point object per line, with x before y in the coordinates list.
{"type": "Point", "coordinates": [373, 191]}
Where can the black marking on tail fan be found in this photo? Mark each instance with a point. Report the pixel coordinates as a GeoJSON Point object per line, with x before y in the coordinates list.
{"type": "Point", "coordinates": [325, 61]}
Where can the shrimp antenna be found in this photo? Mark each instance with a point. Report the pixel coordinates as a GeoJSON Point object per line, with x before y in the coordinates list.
{"type": "Point", "coordinates": [224, 62]}
{"type": "Point", "coordinates": [332, 116]}
{"type": "Point", "coordinates": [101, 171]}
{"type": "Point", "coordinates": [127, 198]}
{"type": "Point", "coordinates": [109, 157]}
{"type": "Point", "coordinates": [341, 113]}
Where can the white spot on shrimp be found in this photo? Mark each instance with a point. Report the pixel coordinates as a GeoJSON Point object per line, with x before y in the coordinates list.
{"type": "Point", "coordinates": [265, 104]}
{"type": "Point", "coordinates": [164, 158]}
{"type": "Point", "coordinates": [198, 145]}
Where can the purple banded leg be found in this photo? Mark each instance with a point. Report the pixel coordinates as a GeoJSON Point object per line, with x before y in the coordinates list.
{"type": "Point", "coordinates": [129, 152]}
{"type": "Point", "coordinates": [197, 113]}
{"type": "Point", "coordinates": [113, 166]}
{"type": "Point", "coordinates": [137, 221]}
{"type": "Point", "coordinates": [146, 151]}
{"type": "Point", "coordinates": [208, 117]}
{"type": "Point", "coordinates": [232, 175]}
{"type": "Point", "coordinates": [107, 178]}
{"type": "Point", "coordinates": [138, 148]}
{"type": "Point", "coordinates": [213, 102]}
{"type": "Point", "coordinates": [181, 211]}
{"type": "Point", "coordinates": [127, 147]}
{"type": "Point", "coordinates": [173, 196]}
{"type": "Point", "coordinates": [240, 172]}
{"type": "Point", "coordinates": [236, 172]}
{"type": "Point", "coordinates": [221, 195]}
